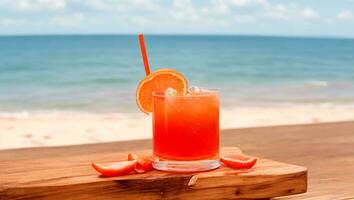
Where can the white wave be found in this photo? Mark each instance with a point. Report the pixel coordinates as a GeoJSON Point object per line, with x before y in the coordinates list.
{"type": "Point", "coordinates": [317, 83]}
{"type": "Point", "coordinates": [15, 115]}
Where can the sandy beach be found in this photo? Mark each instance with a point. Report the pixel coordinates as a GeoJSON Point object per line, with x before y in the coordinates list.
{"type": "Point", "coordinates": [37, 129]}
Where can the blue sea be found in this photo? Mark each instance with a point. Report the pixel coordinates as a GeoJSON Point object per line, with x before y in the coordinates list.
{"type": "Point", "coordinates": [99, 73]}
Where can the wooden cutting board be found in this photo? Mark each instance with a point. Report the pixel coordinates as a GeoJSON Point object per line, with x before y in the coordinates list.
{"type": "Point", "coordinates": [73, 178]}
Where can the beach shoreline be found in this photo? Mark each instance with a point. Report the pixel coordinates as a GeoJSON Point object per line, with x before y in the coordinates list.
{"type": "Point", "coordinates": [52, 128]}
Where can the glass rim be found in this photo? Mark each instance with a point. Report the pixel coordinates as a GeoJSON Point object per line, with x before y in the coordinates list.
{"type": "Point", "coordinates": [209, 92]}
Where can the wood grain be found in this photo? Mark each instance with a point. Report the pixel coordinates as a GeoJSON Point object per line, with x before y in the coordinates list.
{"type": "Point", "coordinates": [327, 150]}
{"type": "Point", "coordinates": [72, 176]}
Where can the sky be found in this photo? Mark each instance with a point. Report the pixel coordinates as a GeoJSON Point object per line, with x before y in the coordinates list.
{"type": "Point", "coordinates": [333, 18]}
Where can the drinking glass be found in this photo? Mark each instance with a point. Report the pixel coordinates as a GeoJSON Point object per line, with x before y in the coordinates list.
{"type": "Point", "coordinates": [186, 131]}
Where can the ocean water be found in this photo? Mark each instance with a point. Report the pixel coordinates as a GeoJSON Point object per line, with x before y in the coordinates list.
{"type": "Point", "coordinates": [100, 73]}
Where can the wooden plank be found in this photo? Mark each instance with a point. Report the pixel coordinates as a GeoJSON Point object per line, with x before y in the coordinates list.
{"type": "Point", "coordinates": [325, 149]}
{"type": "Point", "coordinates": [66, 177]}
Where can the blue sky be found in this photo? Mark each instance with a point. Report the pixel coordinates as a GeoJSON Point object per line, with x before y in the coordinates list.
{"type": "Point", "coordinates": [256, 17]}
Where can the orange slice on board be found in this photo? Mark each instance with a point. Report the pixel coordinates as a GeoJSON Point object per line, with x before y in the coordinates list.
{"type": "Point", "coordinates": [238, 161]}
{"type": "Point", "coordinates": [143, 163]}
{"type": "Point", "coordinates": [158, 81]}
{"type": "Point", "coordinates": [115, 168]}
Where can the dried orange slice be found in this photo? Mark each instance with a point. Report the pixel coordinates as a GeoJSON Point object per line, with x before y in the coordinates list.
{"type": "Point", "coordinates": [158, 81]}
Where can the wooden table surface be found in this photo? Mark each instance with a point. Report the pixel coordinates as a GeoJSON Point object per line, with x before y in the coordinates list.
{"type": "Point", "coordinates": [327, 150]}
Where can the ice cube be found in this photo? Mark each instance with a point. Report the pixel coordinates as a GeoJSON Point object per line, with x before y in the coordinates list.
{"type": "Point", "coordinates": [194, 89]}
{"type": "Point", "coordinates": [170, 92]}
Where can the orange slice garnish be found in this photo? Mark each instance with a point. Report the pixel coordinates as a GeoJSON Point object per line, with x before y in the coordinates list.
{"type": "Point", "coordinates": [158, 81]}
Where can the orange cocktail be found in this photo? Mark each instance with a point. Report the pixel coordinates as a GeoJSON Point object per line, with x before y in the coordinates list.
{"type": "Point", "coordinates": [185, 121]}
{"type": "Point", "coordinates": [186, 131]}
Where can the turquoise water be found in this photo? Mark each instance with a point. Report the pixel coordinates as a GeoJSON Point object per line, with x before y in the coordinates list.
{"type": "Point", "coordinates": [100, 73]}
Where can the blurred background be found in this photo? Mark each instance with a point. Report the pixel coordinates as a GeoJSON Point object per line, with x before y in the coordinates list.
{"type": "Point", "coordinates": [69, 69]}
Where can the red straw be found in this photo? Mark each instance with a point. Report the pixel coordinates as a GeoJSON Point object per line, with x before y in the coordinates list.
{"type": "Point", "coordinates": [143, 54]}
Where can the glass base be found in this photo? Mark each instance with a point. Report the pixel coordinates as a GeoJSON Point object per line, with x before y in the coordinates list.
{"type": "Point", "coordinates": [185, 166]}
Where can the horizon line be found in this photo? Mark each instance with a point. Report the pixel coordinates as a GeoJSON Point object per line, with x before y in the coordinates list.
{"type": "Point", "coordinates": [179, 34]}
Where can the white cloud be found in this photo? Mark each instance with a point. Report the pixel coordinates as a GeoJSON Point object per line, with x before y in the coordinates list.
{"type": "Point", "coordinates": [216, 7]}
{"type": "Point", "coordinates": [219, 7]}
{"type": "Point", "coordinates": [122, 5]}
{"type": "Point", "coordinates": [67, 20]}
{"type": "Point", "coordinates": [182, 16]}
{"type": "Point", "coordinates": [37, 5]}
{"type": "Point", "coordinates": [309, 13]}
{"type": "Point", "coordinates": [289, 12]}
{"type": "Point", "coordinates": [244, 3]}
{"type": "Point", "coordinates": [277, 12]}
{"type": "Point", "coordinates": [146, 4]}
{"type": "Point", "coordinates": [184, 10]}
{"type": "Point", "coordinates": [280, 8]}
{"type": "Point", "coordinates": [345, 15]}
{"type": "Point", "coordinates": [228, 12]}
{"type": "Point", "coordinates": [98, 5]}
{"type": "Point", "coordinates": [215, 14]}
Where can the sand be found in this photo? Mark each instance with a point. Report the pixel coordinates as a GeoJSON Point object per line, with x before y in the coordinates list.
{"type": "Point", "coordinates": [67, 128]}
